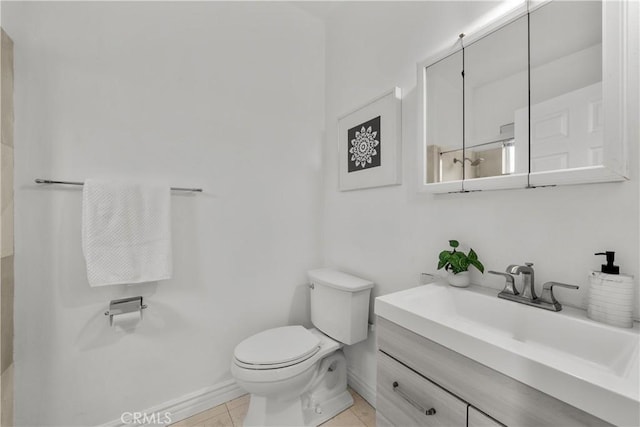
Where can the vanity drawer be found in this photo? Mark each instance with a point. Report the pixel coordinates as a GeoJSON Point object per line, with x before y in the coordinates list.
{"type": "Point", "coordinates": [476, 418]}
{"type": "Point", "coordinates": [405, 397]}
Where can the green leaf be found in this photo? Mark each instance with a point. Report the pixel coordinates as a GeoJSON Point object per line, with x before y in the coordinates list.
{"type": "Point", "coordinates": [460, 262]}
{"type": "Point", "coordinates": [453, 263]}
{"type": "Point", "coordinates": [473, 255]}
{"type": "Point", "coordinates": [441, 264]}
{"type": "Point", "coordinates": [453, 243]}
{"type": "Point", "coordinates": [444, 256]}
{"type": "Point", "coordinates": [457, 262]}
{"type": "Point", "coordinates": [477, 264]}
{"type": "Point", "coordinates": [460, 256]}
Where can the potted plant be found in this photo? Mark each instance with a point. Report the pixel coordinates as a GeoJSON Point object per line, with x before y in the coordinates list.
{"type": "Point", "coordinates": [457, 264]}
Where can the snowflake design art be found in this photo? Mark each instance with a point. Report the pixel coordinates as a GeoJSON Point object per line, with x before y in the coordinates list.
{"type": "Point", "coordinates": [363, 146]}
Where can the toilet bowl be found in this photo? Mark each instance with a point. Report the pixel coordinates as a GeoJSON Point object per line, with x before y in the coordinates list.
{"type": "Point", "coordinates": [298, 376]}
{"type": "Point", "coordinates": [283, 393]}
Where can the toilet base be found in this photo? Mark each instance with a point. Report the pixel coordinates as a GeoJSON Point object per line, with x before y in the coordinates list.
{"type": "Point", "coordinates": [325, 397]}
{"type": "Point", "coordinates": [265, 411]}
{"type": "Point", "coordinates": [327, 410]}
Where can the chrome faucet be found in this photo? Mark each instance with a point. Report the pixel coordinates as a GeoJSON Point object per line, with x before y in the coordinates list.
{"type": "Point", "coordinates": [546, 301]}
{"type": "Point", "coordinates": [528, 279]}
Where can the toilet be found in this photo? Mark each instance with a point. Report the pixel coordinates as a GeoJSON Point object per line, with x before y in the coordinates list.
{"type": "Point", "coordinates": [298, 376]}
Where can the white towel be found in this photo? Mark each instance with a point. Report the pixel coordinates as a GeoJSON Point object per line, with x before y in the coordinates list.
{"type": "Point", "coordinates": [126, 232]}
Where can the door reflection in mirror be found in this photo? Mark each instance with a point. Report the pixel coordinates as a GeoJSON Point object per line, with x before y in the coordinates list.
{"type": "Point", "coordinates": [566, 85]}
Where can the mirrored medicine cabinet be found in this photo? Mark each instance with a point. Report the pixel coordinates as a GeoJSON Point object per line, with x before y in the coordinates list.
{"type": "Point", "coordinates": [536, 98]}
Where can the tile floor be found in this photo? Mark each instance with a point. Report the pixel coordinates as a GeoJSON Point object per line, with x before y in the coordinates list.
{"type": "Point", "coordinates": [231, 414]}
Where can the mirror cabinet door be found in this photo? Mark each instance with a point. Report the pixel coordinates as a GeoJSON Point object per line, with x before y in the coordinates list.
{"type": "Point", "coordinates": [542, 100]}
{"type": "Point", "coordinates": [496, 125]}
{"type": "Point", "coordinates": [443, 122]}
{"type": "Point", "coordinates": [566, 86]}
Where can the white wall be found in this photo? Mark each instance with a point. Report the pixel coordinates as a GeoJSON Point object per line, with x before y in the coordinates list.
{"type": "Point", "coordinates": [231, 97]}
{"type": "Point", "coordinates": [392, 234]}
{"type": "Point", "coordinates": [224, 96]}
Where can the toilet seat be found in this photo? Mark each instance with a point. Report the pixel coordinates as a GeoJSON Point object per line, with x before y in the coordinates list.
{"type": "Point", "coordinates": [277, 348]}
{"type": "Point", "coordinates": [266, 374]}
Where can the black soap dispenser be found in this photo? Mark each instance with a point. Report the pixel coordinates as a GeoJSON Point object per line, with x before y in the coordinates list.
{"type": "Point", "coordinates": [609, 268]}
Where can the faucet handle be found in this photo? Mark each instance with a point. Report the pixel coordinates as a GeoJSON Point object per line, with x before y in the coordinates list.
{"type": "Point", "coordinates": [509, 287]}
{"type": "Point", "coordinates": [426, 278]}
{"type": "Point", "coordinates": [549, 286]}
{"type": "Point", "coordinates": [547, 293]}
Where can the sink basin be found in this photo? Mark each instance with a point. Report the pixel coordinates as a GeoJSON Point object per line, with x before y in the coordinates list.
{"type": "Point", "coordinates": [592, 366]}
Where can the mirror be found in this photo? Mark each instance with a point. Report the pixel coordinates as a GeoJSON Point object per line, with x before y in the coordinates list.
{"type": "Point", "coordinates": [543, 99]}
{"type": "Point", "coordinates": [566, 86]}
{"type": "Point", "coordinates": [444, 120]}
{"type": "Point", "coordinates": [496, 96]}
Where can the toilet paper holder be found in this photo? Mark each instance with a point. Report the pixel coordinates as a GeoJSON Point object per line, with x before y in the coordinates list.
{"type": "Point", "coordinates": [124, 305]}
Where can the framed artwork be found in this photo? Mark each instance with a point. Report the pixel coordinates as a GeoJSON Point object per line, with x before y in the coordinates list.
{"type": "Point", "coordinates": [370, 143]}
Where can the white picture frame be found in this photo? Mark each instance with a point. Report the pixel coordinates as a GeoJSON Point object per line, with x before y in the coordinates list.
{"type": "Point", "coordinates": [370, 143]}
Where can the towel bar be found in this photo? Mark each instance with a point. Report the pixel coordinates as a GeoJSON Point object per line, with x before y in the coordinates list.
{"type": "Point", "coordinates": [49, 181]}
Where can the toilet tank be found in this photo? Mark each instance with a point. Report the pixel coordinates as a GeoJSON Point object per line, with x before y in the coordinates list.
{"type": "Point", "coordinates": [340, 304]}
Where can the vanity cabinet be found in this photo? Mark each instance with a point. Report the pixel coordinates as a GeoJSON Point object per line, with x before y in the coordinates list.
{"type": "Point", "coordinates": [424, 383]}
{"type": "Point", "coordinates": [476, 418]}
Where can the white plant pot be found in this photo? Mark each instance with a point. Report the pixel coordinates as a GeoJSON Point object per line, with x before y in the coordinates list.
{"type": "Point", "coordinates": [460, 280]}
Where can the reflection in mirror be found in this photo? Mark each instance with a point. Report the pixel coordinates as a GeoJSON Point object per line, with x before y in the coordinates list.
{"type": "Point", "coordinates": [566, 85]}
{"type": "Point", "coordinates": [444, 120]}
{"type": "Point", "coordinates": [496, 90]}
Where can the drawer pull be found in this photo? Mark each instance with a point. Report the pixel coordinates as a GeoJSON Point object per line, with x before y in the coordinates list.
{"type": "Point", "coordinates": [430, 411]}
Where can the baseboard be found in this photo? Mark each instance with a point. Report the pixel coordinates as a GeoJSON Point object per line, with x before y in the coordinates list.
{"type": "Point", "coordinates": [190, 404]}
{"type": "Point", "coordinates": [208, 397]}
{"type": "Point", "coordinates": [362, 387]}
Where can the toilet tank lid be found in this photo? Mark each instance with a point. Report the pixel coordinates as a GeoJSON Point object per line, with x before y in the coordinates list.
{"type": "Point", "coordinates": [339, 280]}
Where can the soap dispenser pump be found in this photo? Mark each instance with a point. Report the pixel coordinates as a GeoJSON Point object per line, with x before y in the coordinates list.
{"type": "Point", "coordinates": [609, 268]}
